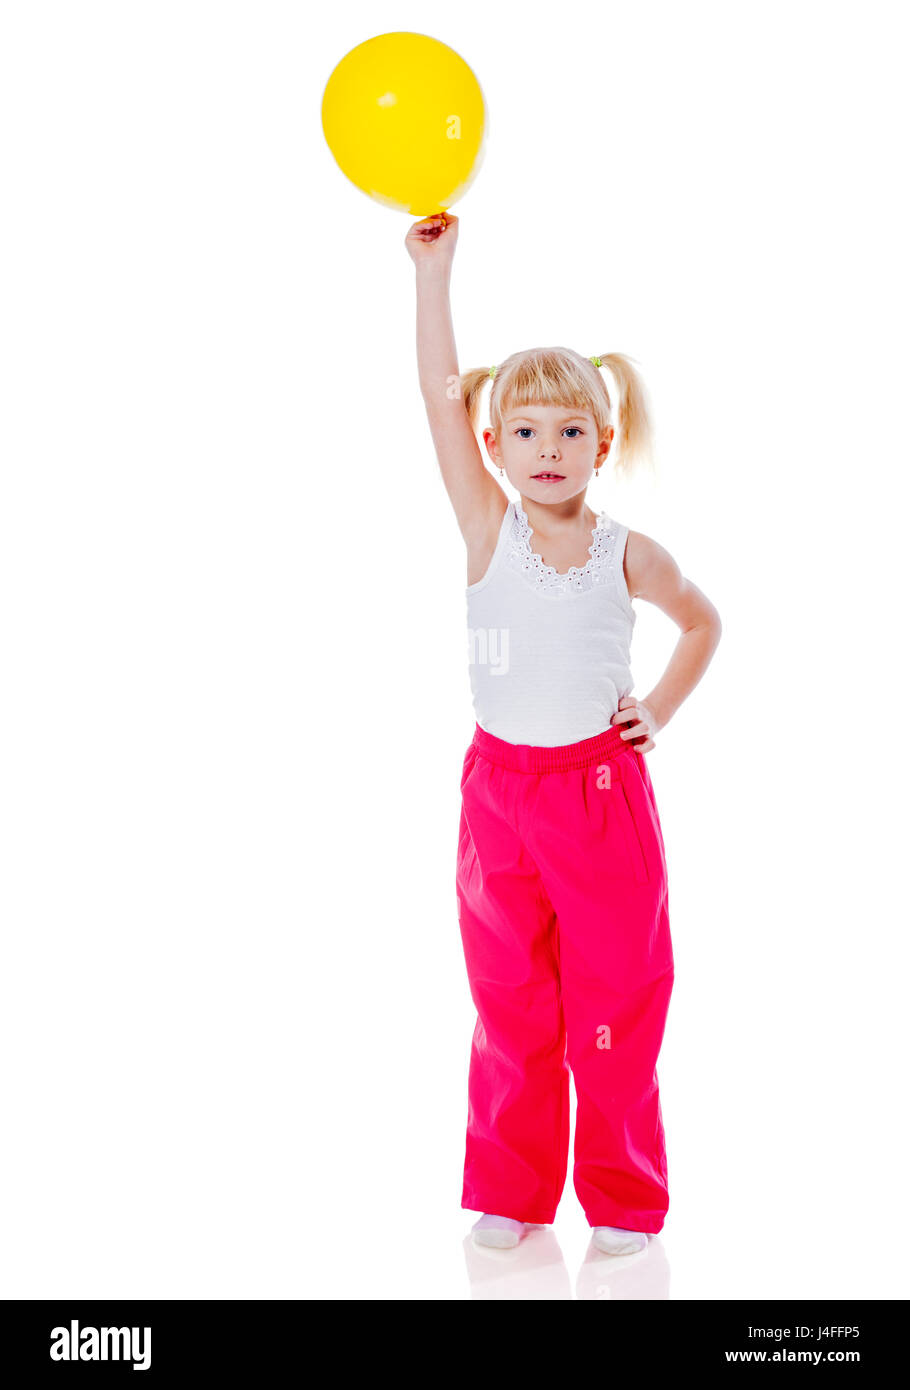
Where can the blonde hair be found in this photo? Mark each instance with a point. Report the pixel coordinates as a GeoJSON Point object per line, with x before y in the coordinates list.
{"type": "Point", "coordinates": [562, 377]}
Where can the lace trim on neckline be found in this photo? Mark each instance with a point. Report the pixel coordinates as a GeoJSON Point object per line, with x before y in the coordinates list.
{"type": "Point", "coordinates": [578, 578]}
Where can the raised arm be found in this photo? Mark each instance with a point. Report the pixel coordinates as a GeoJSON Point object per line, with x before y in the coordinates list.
{"type": "Point", "coordinates": [478, 500]}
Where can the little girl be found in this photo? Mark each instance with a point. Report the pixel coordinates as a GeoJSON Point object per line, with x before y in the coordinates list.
{"type": "Point", "coordinates": [561, 875]}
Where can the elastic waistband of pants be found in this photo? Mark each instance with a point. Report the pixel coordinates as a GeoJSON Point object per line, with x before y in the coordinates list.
{"type": "Point", "coordinates": [526, 757]}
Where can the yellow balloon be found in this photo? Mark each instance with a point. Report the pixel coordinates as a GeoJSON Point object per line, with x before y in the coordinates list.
{"type": "Point", "coordinates": [404, 116]}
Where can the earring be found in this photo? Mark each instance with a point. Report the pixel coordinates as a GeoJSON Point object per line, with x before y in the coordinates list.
{"type": "Point", "coordinates": [501, 473]}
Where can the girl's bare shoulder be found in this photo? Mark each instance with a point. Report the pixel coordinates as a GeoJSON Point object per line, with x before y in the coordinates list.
{"type": "Point", "coordinates": [644, 560]}
{"type": "Point", "coordinates": [653, 574]}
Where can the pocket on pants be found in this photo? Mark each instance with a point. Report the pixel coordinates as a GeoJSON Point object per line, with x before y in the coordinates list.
{"type": "Point", "coordinates": [626, 816]}
{"type": "Point", "coordinates": [468, 764]}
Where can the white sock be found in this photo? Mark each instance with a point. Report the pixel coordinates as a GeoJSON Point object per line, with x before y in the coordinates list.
{"type": "Point", "coordinates": [616, 1240]}
{"type": "Point", "coordinates": [500, 1231]}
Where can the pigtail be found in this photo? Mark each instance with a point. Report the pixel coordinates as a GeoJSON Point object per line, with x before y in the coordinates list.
{"type": "Point", "coordinates": [634, 425]}
{"type": "Point", "coordinates": [472, 384]}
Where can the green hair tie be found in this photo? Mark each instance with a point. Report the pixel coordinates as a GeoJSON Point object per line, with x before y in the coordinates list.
{"type": "Point", "coordinates": [492, 371]}
{"type": "Point", "coordinates": [597, 362]}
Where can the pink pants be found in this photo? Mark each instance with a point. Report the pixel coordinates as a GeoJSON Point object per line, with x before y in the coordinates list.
{"type": "Point", "coordinates": [561, 884]}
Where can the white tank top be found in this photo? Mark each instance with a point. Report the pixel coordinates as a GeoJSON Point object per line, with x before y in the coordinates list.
{"type": "Point", "coordinates": [549, 653]}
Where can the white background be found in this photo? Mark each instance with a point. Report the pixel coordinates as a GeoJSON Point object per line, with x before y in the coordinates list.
{"type": "Point", "coordinates": [235, 700]}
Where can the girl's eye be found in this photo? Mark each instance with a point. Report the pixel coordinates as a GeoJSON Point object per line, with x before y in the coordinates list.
{"type": "Point", "coordinates": [524, 430]}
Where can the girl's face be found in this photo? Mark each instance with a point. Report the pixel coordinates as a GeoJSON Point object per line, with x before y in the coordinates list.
{"type": "Point", "coordinates": [548, 452]}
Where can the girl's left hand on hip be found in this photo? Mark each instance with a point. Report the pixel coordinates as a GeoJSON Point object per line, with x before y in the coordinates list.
{"type": "Point", "coordinates": [644, 725]}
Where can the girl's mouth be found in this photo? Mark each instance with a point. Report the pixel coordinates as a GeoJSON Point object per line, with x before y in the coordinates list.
{"type": "Point", "coordinates": [549, 478]}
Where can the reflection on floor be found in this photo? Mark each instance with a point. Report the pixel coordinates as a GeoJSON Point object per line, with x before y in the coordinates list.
{"type": "Point", "coordinates": [535, 1269]}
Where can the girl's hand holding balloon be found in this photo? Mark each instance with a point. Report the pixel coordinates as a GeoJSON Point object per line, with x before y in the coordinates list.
{"type": "Point", "coordinates": [432, 240]}
{"type": "Point", "coordinates": [642, 720]}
